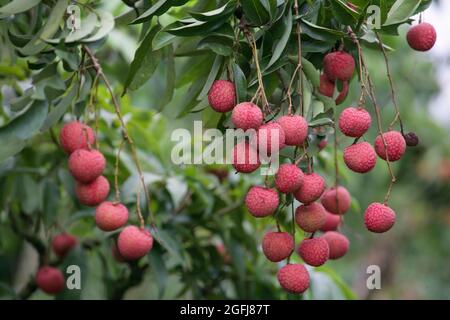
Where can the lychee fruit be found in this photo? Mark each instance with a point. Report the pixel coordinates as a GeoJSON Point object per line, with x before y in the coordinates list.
{"type": "Point", "coordinates": [310, 217]}
{"type": "Point", "coordinates": [338, 244]}
{"type": "Point", "coordinates": [331, 223]}
{"type": "Point", "coordinates": [312, 188]}
{"type": "Point", "coordinates": [314, 252]}
{"type": "Point", "coordinates": [261, 201]}
{"type": "Point", "coordinates": [339, 65]}
{"type": "Point", "coordinates": [247, 115]}
{"type": "Point", "coordinates": [342, 94]}
{"type": "Point", "coordinates": [111, 216]}
{"type": "Point", "coordinates": [294, 278]}
{"type": "Point", "coordinates": [327, 86]}
{"type": "Point", "coordinates": [295, 129]}
{"type": "Point", "coordinates": [63, 243]}
{"type": "Point", "coordinates": [421, 37]}
{"type": "Point", "coordinates": [322, 144]}
{"type": "Point", "coordinates": [277, 246]}
{"type": "Point", "coordinates": [289, 178]}
{"type": "Point", "coordinates": [86, 165]}
{"type": "Point", "coordinates": [360, 157]}
{"type": "Point", "coordinates": [379, 218]}
{"type": "Point", "coordinates": [336, 201]}
{"type": "Point", "coordinates": [76, 135]}
{"type": "Point", "coordinates": [354, 122]}
{"type": "Point", "coordinates": [92, 193]}
{"type": "Point", "coordinates": [268, 132]}
{"type": "Point", "coordinates": [395, 143]}
{"type": "Point", "coordinates": [50, 280]}
{"type": "Point", "coordinates": [222, 96]}
{"type": "Point", "coordinates": [245, 158]}
{"type": "Point", "coordinates": [134, 243]}
{"type": "Point", "coordinates": [411, 139]}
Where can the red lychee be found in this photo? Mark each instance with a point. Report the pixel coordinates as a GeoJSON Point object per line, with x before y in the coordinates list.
{"type": "Point", "coordinates": [111, 216]}
{"type": "Point", "coordinates": [339, 65]}
{"type": "Point", "coordinates": [294, 278]}
{"type": "Point", "coordinates": [76, 135]}
{"type": "Point", "coordinates": [268, 132]}
{"type": "Point", "coordinates": [289, 178]}
{"type": "Point", "coordinates": [314, 252]}
{"type": "Point", "coordinates": [245, 158]}
{"type": "Point", "coordinates": [354, 122]}
{"type": "Point", "coordinates": [322, 144]}
{"type": "Point", "coordinates": [261, 201]}
{"type": "Point", "coordinates": [336, 201]}
{"type": "Point", "coordinates": [86, 165]}
{"type": "Point", "coordinates": [50, 280]}
{"type": "Point", "coordinates": [134, 243]}
{"type": "Point", "coordinates": [343, 93]}
{"type": "Point", "coordinates": [277, 246]}
{"type": "Point", "coordinates": [93, 193]}
{"type": "Point", "coordinates": [326, 86]}
{"type": "Point", "coordinates": [338, 244]}
{"type": "Point", "coordinates": [421, 37]}
{"type": "Point", "coordinates": [360, 157]}
{"type": "Point", "coordinates": [295, 129]}
{"type": "Point", "coordinates": [247, 115]}
{"type": "Point", "coordinates": [222, 96]}
{"type": "Point", "coordinates": [310, 217]}
{"type": "Point", "coordinates": [396, 145]}
{"type": "Point", "coordinates": [312, 188]}
{"type": "Point", "coordinates": [63, 243]}
{"type": "Point", "coordinates": [331, 223]}
{"type": "Point", "coordinates": [379, 218]}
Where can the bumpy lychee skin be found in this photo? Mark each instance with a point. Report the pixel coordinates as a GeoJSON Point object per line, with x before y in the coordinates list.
{"type": "Point", "coordinates": [86, 165]}
{"type": "Point", "coordinates": [314, 252]}
{"type": "Point", "coordinates": [289, 178]}
{"type": "Point", "coordinates": [247, 115]}
{"type": "Point", "coordinates": [338, 244]}
{"type": "Point", "coordinates": [261, 202]}
{"type": "Point", "coordinates": [336, 201]}
{"type": "Point", "coordinates": [331, 223]}
{"type": "Point", "coordinates": [222, 96]}
{"type": "Point", "coordinates": [354, 122]}
{"type": "Point", "coordinates": [50, 280]}
{"type": "Point", "coordinates": [360, 157]}
{"type": "Point", "coordinates": [295, 129]}
{"type": "Point", "coordinates": [268, 132]}
{"type": "Point", "coordinates": [294, 278]}
{"type": "Point", "coordinates": [76, 135]}
{"type": "Point", "coordinates": [277, 246]}
{"type": "Point", "coordinates": [134, 243]}
{"type": "Point", "coordinates": [312, 188]}
{"type": "Point", "coordinates": [245, 158]}
{"type": "Point", "coordinates": [310, 217]}
{"type": "Point", "coordinates": [396, 146]}
{"type": "Point", "coordinates": [421, 37]}
{"type": "Point", "coordinates": [92, 193]}
{"type": "Point", "coordinates": [111, 216]}
{"type": "Point", "coordinates": [63, 243]}
{"type": "Point", "coordinates": [379, 218]}
{"type": "Point", "coordinates": [339, 65]}
{"type": "Point", "coordinates": [326, 86]}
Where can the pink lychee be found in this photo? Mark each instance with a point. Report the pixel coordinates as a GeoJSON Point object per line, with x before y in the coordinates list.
{"type": "Point", "coordinates": [336, 201]}
{"type": "Point", "coordinates": [134, 243]}
{"type": "Point", "coordinates": [277, 246]}
{"type": "Point", "coordinates": [111, 216]}
{"type": "Point", "coordinates": [396, 145]}
{"type": "Point", "coordinates": [50, 280]}
{"type": "Point", "coordinates": [268, 132]}
{"type": "Point", "coordinates": [245, 158]}
{"type": "Point", "coordinates": [339, 65]}
{"type": "Point", "coordinates": [360, 157]}
{"type": "Point", "coordinates": [354, 122]}
{"type": "Point", "coordinates": [312, 188]}
{"type": "Point", "coordinates": [295, 129]}
{"type": "Point", "coordinates": [247, 115]}
{"type": "Point", "coordinates": [310, 217]}
{"type": "Point", "coordinates": [261, 201]}
{"type": "Point", "coordinates": [314, 252]}
{"type": "Point", "coordinates": [86, 165]}
{"type": "Point", "coordinates": [331, 223]}
{"type": "Point", "coordinates": [76, 135]}
{"type": "Point", "coordinates": [294, 278]}
{"type": "Point", "coordinates": [422, 37]}
{"type": "Point", "coordinates": [289, 178]}
{"type": "Point", "coordinates": [92, 193]}
{"type": "Point", "coordinates": [379, 218]}
{"type": "Point", "coordinates": [222, 96]}
{"type": "Point", "coordinates": [63, 243]}
{"type": "Point", "coordinates": [338, 244]}
{"type": "Point", "coordinates": [326, 86]}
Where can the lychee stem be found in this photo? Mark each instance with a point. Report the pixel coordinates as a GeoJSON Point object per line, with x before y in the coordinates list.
{"type": "Point", "coordinates": [299, 67]}
{"type": "Point", "coordinates": [116, 171]}
{"type": "Point", "coordinates": [336, 165]}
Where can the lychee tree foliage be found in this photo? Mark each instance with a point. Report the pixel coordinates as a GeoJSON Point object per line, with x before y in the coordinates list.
{"type": "Point", "coordinates": [272, 51]}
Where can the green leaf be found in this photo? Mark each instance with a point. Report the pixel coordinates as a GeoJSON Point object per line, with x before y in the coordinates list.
{"type": "Point", "coordinates": [50, 202]}
{"type": "Point", "coordinates": [211, 77]}
{"type": "Point", "coordinates": [219, 45]}
{"type": "Point", "coordinates": [240, 82]}
{"type": "Point", "coordinates": [343, 13]}
{"type": "Point", "coordinates": [321, 33]}
{"type": "Point", "coordinates": [320, 122]}
{"type": "Point", "coordinates": [20, 103]}
{"type": "Point", "coordinates": [17, 6]}
{"type": "Point", "coordinates": [144, 63]}
{"type": "Point", "coordinates": [170, 77]}
{"type": "Point", "coordinates": [159, 8]}
{"type": "Point", "coordinates": [311, 72]}
{"type": "Point", "coordinates": [36, 44]}
{"type": "Point", "coordinates": [162, 39]}
{"type": "Point", "coordinates": [255, 12]}
{"type": "Point", "coordinates": [280, 45]}
{"type": "Point", "coordinates": [195, 28]}
{"type": "Point", "coordinates": [86, 29]}
{"type": "Point", "coordinates": [221, 13]}
{"type": "Point", "coordinates": [10, 147]}
{"type": "Point", "coordinates": [401, 11]}
{"type": "Point", "coordinates": [159, 270]}
{"type": "Point", "coordinates": [106, 26]}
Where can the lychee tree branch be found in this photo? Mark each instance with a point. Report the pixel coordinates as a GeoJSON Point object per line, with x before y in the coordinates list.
{"type": "Point", "coordinates": [299, 68]}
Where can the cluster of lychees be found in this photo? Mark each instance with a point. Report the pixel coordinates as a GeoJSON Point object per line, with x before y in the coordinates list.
{"type": "Point", "coordinates": [86, 165]}
{"type": "Point", "coordinates": [321, 209]}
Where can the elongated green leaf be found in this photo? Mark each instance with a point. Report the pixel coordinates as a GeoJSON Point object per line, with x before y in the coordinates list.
{"type": "Point", "coordinates": [17, 6]}
{"type": "Point", "coordinates": [159, 269]}
{"type": "Point", "coordinates": [401, 11]}
{"type": "Point", "coordinates": [211, 77]}
{"type": "Point", "coordinates": [162, 39]}
{"type": "Point", "coordinates": [196, 28]}
{"type": "Point", "coordinates": [282, 42]}
{"type": "Point", "coordinates": [159, 8]}
{"type": "Point", "coordinates": [320, 122]}
{"type": "Point", "coordinates": [86, 29]}
{"type": "Point", "coordinates": [219, 45]}
{"type": "Point", "coordinates": [170, 77]}
{"type": "Point", "coordinates": [255, 12]}
{"type": "Point", "coordinates": [61, 108]}
{"type": "Point", "coordinates": [220, 13]}
{"type": "Point", "coordinates": [106, 26]}
{"type": "Point", "coordinates": [321, 33]}
{"type": "Point", "coordinates": [311, 72]}
{"type": "Point", "coordinates": [240, 81]}
{"type": "Point", "coordinates": [20, 103]}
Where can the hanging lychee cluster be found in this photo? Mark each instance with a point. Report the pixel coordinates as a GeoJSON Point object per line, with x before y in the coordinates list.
{"type": "Point", "coordinates": [321, 210]}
